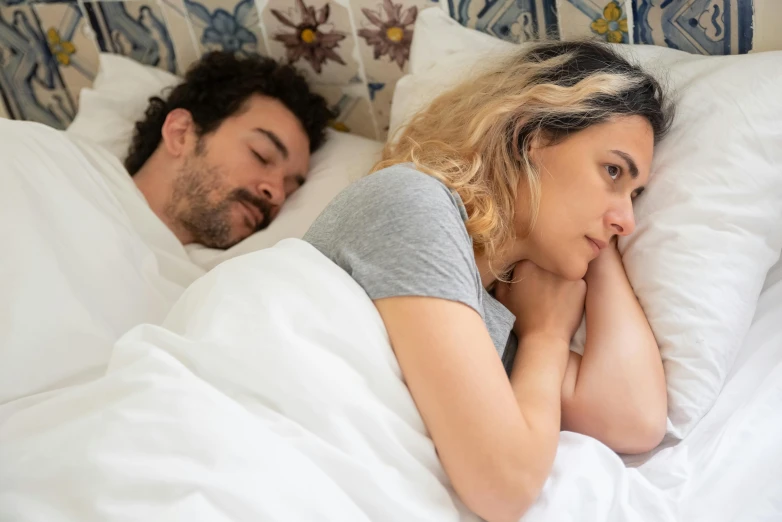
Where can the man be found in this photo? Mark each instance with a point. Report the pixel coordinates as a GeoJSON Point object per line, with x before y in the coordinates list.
{"type": "Point", "coordinates": [219, 157]}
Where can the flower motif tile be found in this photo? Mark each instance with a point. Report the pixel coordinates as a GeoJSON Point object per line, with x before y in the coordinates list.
{"type": "Point", "coordinates": [181, 33]}
{"type": "Point", "coordinates": [696, 26]}
{"type": "Point", "coordinates": [71, 44]}
{"type": "Point", "coordinates": [603, 19]}
{"type": "Point", "coordinates": [388, 30]}
{"type": "Point", "coordinates": [354, 51]}
{"type": "Point", "coordinates": [511, 20]}
{"type": "Point", "coordinates": [46, 57]}
{"type": "Point", "coordinates": [314, 35]}
{"type": "Point", "coordinates": [135, 29]}
{"type": "Point", "coordinates": [385, 30]}
{"type": "Point", "coordinates": [227, 25]}
{"type": "Point", "coordinates": [308, 40]}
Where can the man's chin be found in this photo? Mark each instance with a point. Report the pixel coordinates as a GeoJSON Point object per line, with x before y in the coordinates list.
{"type": "Point", "coordinates": [222, 244]}
{"type": "Point", "coordinates": [239, 232]}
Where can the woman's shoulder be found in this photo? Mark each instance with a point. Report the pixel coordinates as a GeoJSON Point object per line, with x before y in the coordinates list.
{"type": "Point", "coordinates": [398, 199]}
{"type": "Point", "coordinates": [404, 184]}
{"type": "Point", "coordinates": [403, 176]}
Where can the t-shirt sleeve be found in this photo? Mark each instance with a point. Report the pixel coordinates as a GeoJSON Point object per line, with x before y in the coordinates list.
{"type": "Point", "coordinates": [399, 232]}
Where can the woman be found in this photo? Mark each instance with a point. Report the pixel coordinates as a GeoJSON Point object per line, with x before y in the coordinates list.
{"type": "Point", "coordinates": [534, 166]}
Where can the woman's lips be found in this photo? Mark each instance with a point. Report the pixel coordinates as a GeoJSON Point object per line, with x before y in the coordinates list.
{"type": "Point", "coordinates": [597, 245]}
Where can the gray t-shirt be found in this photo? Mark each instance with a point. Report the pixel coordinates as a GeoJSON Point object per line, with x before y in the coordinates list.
{"type": "Point", "coordinates": [400, 232]}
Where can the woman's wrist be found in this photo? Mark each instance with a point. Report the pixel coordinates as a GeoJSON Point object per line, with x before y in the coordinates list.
{"type": "Point", "coordinates": [608, 260]}
{"type": "Point", "coordinates": [544, 340]}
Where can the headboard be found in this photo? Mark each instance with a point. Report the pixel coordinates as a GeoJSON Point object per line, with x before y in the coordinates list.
{"type": "Point", "coordinates": [354, 51]}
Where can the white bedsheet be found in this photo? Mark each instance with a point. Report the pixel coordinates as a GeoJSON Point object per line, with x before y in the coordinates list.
{"type": "Point", "coordinates": [269, 390]}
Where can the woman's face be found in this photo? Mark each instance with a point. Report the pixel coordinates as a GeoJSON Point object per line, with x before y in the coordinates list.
{"type": "Point", "coordinates": [588, 182]}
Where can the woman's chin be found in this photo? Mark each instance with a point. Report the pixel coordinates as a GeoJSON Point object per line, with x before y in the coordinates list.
{"type": "Point", "coordinates": [573, 271]}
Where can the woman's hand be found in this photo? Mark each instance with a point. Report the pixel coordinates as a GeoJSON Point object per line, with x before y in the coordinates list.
{"type": "Point", "coordinates": [609, 261]}
{"type": "Point", "coordinates": [616, 392]}
{"type": "Point", "coordinates": [543, 303]}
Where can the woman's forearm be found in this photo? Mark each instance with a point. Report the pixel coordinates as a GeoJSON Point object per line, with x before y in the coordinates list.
{"type": "Point", "coordinates": [536, 380]}
{"type": "Point", "coordinates": [616, 391]}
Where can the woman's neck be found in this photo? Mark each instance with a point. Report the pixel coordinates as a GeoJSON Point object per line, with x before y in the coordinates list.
{"type": "Point", "coordinates": [484, 268]}
{"type": "Point", "coordinates": [503, 262]}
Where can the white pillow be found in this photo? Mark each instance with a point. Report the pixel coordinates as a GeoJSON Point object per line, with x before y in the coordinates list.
{"type": "Point", "coordinates": [118, 98]}
{"type": "Point", "coordinates": [710, 222]}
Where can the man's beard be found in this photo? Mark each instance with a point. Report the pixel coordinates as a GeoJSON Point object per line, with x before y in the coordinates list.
{"type": "Point", "coordinates": [208, 221]}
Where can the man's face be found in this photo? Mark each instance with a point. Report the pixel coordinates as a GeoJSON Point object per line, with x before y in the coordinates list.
{"type": "Point", "coordinates": [233, 181]}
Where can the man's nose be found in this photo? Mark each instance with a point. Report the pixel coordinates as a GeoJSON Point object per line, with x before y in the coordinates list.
{"type": "Point", "coordinates": [273, 191]}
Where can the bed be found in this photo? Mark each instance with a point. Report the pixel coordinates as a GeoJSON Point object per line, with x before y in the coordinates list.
{"type": "Point", "coordinates": [142, 380]}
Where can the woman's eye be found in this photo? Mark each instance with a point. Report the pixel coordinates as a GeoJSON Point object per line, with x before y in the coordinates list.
{"type": "Point", "coordinates": [613, 171]}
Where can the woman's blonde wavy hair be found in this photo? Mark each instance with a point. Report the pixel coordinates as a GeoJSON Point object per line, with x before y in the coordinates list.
{"type": "Point", "coordinates": [476, 137]}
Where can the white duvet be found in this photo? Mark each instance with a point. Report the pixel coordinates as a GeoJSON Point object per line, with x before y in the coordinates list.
{"type": "Point", "coordinates": [269, 391]}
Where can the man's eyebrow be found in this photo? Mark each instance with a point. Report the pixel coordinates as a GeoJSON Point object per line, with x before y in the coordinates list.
{"type": "Point", "coordinates": [275, 140]}
{"type": "Point", "coordinates": [630, 162]}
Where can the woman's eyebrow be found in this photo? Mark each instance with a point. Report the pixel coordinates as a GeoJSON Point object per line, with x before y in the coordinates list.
{"type": "Point", "coordinates": [631, 166]}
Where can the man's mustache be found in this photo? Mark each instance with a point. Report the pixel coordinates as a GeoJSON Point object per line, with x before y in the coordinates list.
{"type": "Point", "coordinates": [263, 206]}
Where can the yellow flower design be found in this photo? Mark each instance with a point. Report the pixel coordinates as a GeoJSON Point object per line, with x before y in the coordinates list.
{"type": "Point", "coordinates": [610, 25]}
{"type": "Point", "coordinates": [339, 126]}
{"type": "Point", "coordinates": [308, 36]}
{"type": "Point", "coordinates": [395, 34]}
{"type": "Point", "coordinates": [61, 49]}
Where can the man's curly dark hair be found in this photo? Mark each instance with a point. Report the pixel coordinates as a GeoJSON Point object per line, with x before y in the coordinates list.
{"type": "Point", "coordinates": [216, 87]}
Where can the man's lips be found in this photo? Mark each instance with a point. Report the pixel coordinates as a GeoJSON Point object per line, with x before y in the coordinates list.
{"type": "Point", "coordinates": [253, 216]}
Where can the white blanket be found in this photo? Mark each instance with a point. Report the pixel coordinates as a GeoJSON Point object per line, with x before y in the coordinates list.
{"type": "Point", "coordinates": [269, 390]}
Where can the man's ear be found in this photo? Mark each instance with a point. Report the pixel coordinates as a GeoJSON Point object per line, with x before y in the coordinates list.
{"type": "Point", "coordinates": [176, 131]}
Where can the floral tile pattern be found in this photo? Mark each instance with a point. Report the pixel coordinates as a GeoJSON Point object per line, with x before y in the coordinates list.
{"type": "Point", "coordinates": [71, 44]}
{"type": "Point", "coordinates": [511, 20]}
{"type": "Point", "coordinates": [353, 51]}
{"type": "Point", "coordinates": [392, 33]}
{"type": "Point", "coordinates": [316, 36]}
{"type": "Point", "coordinates": [133, 29]}
{"type": "Point", "coordinates": [45, 58]}
{"type": "Point", "coordinates": [603, 19]}
{"type": "Point", "coordinates": [385, 33]}
{"type": "Point", "coordinates": [226, 25]}
{"type": "Point", "coordinates": [696, 26]}
{"type": "Point", "coordinates": [181, 32]}
{"type": "Point", "coordinates": [309, 39]}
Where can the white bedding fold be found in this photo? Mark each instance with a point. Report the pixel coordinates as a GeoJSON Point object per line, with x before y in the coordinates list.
{"type": "Point", "coordinates": [270, 392]}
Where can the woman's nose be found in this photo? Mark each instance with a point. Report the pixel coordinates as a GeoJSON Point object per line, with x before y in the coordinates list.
{"type": "Point", "coordinates": [623, 219]}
